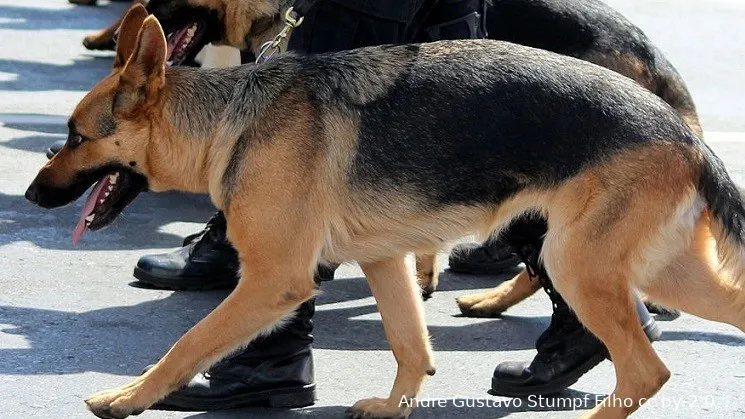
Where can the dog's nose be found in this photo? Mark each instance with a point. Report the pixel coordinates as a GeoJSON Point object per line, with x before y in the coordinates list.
{"type": "Point", "coordinates": [32, 194]}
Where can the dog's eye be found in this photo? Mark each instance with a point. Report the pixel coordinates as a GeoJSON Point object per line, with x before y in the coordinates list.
{"type": "Point", "coordinates": [75, 140]}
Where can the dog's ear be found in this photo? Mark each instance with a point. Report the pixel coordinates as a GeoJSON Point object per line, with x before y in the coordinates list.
{"type": "Point", "coordinates": [143, 77]}
{"type": "Point", "coordinates": [128, 30]}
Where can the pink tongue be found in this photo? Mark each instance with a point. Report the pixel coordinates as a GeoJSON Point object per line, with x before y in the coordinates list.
{"type": "Point", "coordinates": [175, 40]}
{"type": "Point", "coordinates": [90, 205]}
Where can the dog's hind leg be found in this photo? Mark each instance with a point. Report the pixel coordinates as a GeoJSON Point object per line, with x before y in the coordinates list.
{"type": "Point", "coordinates": [400, 305]}
{"type": "Point", "coordinates": [602, 299]}
{"type": "Point", "coordinates": [495, 302]}
{"type": "Point", "coordinates": [693, 283]}
{"type": "Point", "coordinates": [656, 224]}
{"type": "Point", "coordinates": [427, 272]}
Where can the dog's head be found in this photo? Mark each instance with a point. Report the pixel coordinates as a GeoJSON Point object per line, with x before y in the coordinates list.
{"type": "Point", "coordinates": [244, 24]}
{"type": "Point", "coordinates": [188, 25]}
{"type": "Point", "coordinates": [110, 131]}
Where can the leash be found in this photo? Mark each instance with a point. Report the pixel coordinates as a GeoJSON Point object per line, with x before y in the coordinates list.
{"type": "Point", "coordinates": [293, 18]}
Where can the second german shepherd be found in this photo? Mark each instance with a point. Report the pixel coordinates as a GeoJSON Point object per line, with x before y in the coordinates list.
{"type": "Point", "coordinates": [352, 156]}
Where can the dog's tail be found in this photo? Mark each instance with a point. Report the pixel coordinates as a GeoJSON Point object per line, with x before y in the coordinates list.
{"type": "Point", "coordinates": [727, 214]}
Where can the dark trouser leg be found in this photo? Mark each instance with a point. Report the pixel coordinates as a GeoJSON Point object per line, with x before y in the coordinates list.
{"type": "Point", "coordinates": [566, 350]}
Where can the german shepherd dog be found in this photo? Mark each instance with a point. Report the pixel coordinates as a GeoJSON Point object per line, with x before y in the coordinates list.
{"type": "Point", "coordinates": [586, 29]}
{"type": "Point", "coordinates": [351, 156]}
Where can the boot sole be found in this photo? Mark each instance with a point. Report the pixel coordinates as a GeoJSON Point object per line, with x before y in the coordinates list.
{"type": "Point", "coordinates": [485, 269]}
{"type": "Point", "coordinates": [286, 398]}
{"type": "Point", "coordinates": [185, 284]}
{"type": "Point", "coordinates": [499, 388]}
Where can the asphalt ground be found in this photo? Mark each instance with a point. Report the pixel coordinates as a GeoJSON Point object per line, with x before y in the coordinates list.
{"type": "Point", "coordinates": [72, 323]}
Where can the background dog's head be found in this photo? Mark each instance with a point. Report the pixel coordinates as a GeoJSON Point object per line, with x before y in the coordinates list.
{"type": "Point", "coordinates": [110, 131]}
{"type": "Point", "coordinates": [188, 27]}
{"type": "Point", "coordinates": [244, 24]}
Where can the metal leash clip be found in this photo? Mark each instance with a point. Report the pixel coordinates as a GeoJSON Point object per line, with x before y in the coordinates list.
{"type": "Point", "coordinates": [269, 48]}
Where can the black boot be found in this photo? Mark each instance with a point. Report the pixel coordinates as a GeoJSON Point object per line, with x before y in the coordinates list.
{"type": "Point", "coordinates": [274, 371]}
{"type": "Point", "coordinates": [207, 261]}
{"type": "Point", "coordinates": [492, 258]}
{"type": "Point", "coordinates": [566, 350]}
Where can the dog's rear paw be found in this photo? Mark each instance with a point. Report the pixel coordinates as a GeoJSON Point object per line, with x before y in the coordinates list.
{"type": "Point", "coordinates": [97, 42]}
{"type": "Point", "coordinates": [112, 404]}
{"type": "Point", "coordinates": [473, 306]}
{"type": "Point", "coordinates": [378, 409]}
{"type": "Point", "coordinates": [427, 292]}
{"type": "Point", "coordinates": [664, 313]}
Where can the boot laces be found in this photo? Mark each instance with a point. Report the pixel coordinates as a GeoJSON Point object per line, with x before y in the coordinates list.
{"type": "Point", "coordinates": [212, 233]}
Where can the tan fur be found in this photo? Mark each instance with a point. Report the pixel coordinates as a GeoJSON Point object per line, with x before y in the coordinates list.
{"type": "Point", "coordinates": [497, 301]}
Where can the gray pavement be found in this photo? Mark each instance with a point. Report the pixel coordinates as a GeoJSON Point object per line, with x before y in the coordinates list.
{"type": "Point", "coordinates": [72, 324]}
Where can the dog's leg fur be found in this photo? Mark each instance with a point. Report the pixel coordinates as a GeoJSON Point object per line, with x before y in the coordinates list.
{"type": "Point", "coordinates": [277, 263]}
{"type": "Point", "coordinates": [601, 298]}
{"type": "Point", "coordinates": [639, 244]}
{"type": "Point", "coordinates": [693, 284]}
{"type": "Point", "coordinates": [428, 273]}
{"type": "Point", "coordinates": [400, 306]}
{"type": "Point", "coordinates": [495, 302]}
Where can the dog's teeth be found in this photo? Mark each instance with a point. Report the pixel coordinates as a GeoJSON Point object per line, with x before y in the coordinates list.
{"type": "Point", "coordinates": [90, 218]}
{"type": "Point", "coordinates": [111, 188]}
{"type": "Point", "coordinates": [101, 201]}
{"type": "Point", "coordinates": [106, 195]}
{"type": "Point", "coordinates": [113, 178]}
{"type": "Point", "coordinates": [192, 29]}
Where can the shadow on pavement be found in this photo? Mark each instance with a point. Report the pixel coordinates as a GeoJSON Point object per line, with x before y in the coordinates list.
{"type": "Point", "coordinates": [121, 340]}
{"type": "Point", "coordinates": [34, 143]}
{"type": "Point", "coordinates": [71, 17]}
{"type": "Point", "coordinates": [136, 228]}
{"type": "Point", "coordinates": [472, 408]}
{"type": "Point", "coordinates": [81, 75]}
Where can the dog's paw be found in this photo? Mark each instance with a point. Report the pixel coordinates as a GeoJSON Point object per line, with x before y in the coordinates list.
{"type": "Point", "coordinates": [113, 404]}
{"type": "Point", "coordinates": [427, 292]}
{"type": "Point", "coordinates": [474, 306]}
{"type": "Point", "coordinates": [99, 42]}
{"type": "Point", "coordinates": [662, 312]}
{"type": "Point", "coordinates": [378, 409]}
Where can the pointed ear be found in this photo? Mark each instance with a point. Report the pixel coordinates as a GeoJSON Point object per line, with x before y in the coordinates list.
{"type": "Point", "coordinates": [143, 76]}
{"type": "Point", "coordinates": [128, 30]}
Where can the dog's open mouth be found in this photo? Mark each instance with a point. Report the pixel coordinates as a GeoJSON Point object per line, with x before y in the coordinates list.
{"type": "Point", "coordinates": [185, 43]}
{"type": "Point", "coordinates": [110, 195]}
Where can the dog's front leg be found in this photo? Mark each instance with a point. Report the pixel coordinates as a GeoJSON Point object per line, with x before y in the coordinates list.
{"type": "Point", "coordinates": [265, 293]}
{"type": "Point", "coordinates": [400, 304]}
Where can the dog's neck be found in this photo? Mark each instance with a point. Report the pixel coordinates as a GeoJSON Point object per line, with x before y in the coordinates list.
{"type": "Point", "coordinates": [202, 120]}
{"type": "Point", "coordinates": [191, 107]}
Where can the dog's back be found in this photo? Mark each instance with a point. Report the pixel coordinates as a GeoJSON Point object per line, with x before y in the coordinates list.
{"type": "Point", "coordinates": [593, 31]}
{"type": "Point", "coordinates": [490, 117]}
{"type": "Point", "coordinates": [451, 124]}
